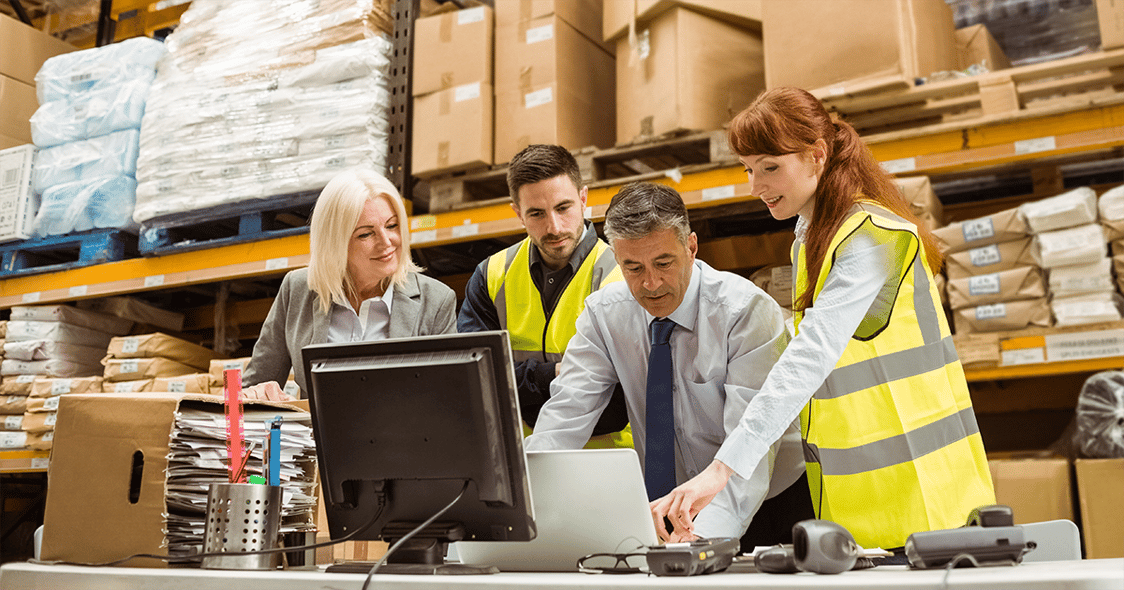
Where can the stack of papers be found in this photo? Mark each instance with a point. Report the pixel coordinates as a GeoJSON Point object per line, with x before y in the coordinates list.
{"type": "Point", "coordinates": [198, 458]}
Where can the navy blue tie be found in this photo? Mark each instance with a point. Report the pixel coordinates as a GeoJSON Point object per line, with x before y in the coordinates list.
{"type": "Point", "coordinates": [659, 442]}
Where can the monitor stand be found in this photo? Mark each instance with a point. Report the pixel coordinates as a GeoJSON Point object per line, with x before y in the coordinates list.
{"type": "Point", "coordinates": [423, 554]}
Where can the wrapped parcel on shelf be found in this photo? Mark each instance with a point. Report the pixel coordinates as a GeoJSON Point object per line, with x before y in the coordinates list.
{"type": "Point", "coordinates": [257, 99]}
{"type": "Point", "coordinates": [1076, 207]}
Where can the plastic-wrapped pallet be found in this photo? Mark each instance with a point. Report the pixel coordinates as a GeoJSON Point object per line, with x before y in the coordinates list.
{"type": "Point", "coordinates": [262, 98]}
{"type": "Point", "coordinates": [88, 130]}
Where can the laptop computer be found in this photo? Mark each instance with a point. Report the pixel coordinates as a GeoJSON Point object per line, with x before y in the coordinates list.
{"type": "Point", "coordinates": [587, 501]}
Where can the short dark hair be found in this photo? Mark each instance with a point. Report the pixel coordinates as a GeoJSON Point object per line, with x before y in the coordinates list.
{"type": "Point", "coordinates": [538, 162]}
{"type": "Point", "coordinates": [641, 208]}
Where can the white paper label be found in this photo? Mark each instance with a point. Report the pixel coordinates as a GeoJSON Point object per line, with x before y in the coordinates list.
{"type": "Point", "coordinates": [177, 386]}
{"type": "Point", "coordinates": [13, 422]}
{"type": "Point", "coordinates": [471, 229]}
{"type": "Point", "coordinates": [50, 419]}
{"type": "Point", "coordinates": [60, 386]}
{"type": "Point", "coordinates": [154, 281]}
{"type": "Point", "coordinates": [421, 237]}
{"type": "Point", "coordinates": [538, 98]}
{"type": "Point", "coordinates": [78, 291]}
{"type": "Point", "coordinates": [43, 462]}
{"type": "Point", "coordinates": [13, 440]}
{"type": "Point", "coordinates": [718, 192]}
{"type": "Point", "coordinates": [15, 399]}
{"type": "Point", "coordinates": [25, 378]}
{"type": "Point", "coordinates": [30, 297]}
{"type": "Point", "coordinates": [130, 345]}
{"type": "Point", "coordinates": [1023, 356]}
{"type": "Point", "coordinates": [471, 15]}
{"type": "Point", "coordinates": [984, 284]}
{"type": "Point", "coordinates": [130, 366]}
{"type": "Point", "coordinates": [899, 166]}
{"type": "Point", "coordinates": [52, 403]}
{"type": "Point", "coordinates": [537, 34]}
{"type": "Point", "coordinates": [47, 436]}
{"type": "Point", "coordinates": [991, 312]}
{"type": "Point", "coordinates": [230, 365]}
{"type": "Point", "coordinates": [978, 229]}
{"type": "Point", "coordinates": [292, 389]}
{"type": "Point", "coordinates": [276, 263]}
{"type": "Point", "coordinates": [124, 387]}
{"type": "Point", "coordinates": [466, 92]}
{"type": "Point", "coordinates": [985, 256]}
{"type": "Point", "coordinates": [1038, 144]}
{"type": "Point", "coordinates": [1084, 345]}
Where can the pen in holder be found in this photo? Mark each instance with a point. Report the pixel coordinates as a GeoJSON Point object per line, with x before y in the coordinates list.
{"type": "Point", "coordinates": [242, 517]}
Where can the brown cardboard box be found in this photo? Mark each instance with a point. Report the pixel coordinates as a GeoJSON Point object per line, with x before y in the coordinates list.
{"type": "Point", "coordinates": [998, 227]}
{"type": "Point", "coordinates": [1025, 282]}
{"type": "Point", "coordinates": [1036, 489]}
{"type": "Point", "coordinates": [991, 258]}
{"type": "Point", "coordinates": [161, 345]}
{"type": "Point", "coordinates": [107, 449]}
{"type": "Point", "coordinates": [583, 15]}
{"type": "Point", "coordinates": [143, 368]}
{"type": "Point", "coordinates": [693, 72]}
{"type": "Point", "coordinates": [812, 44]}
{"type": "Point", "coordinates": [1110, 13]}
{"type": "Point", "coordinates": [23, 50]}
{"type": "Point", "coordinates": [1099, 485]}
{"type": "Point", "coordinates": [975, 45]}
{"type": "Point", "coordinates": [452, 49]}
{"type": "Point", "coordinates": [20, 103]}
{"type": "Point", "coordinates": [618, 13]}
{"type": "Point", "coordinates": [1003, 316]}
{"type": "Point", "coordinates": [9, 142]}
{"type": "Point", "coordinates": [922, 200]}
{"type": "Point", "coordinates": [553, 85]}
{"type": "Point", "coordinates": [453, 129]}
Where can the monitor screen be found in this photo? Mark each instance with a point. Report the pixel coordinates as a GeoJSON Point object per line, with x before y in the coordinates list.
{"type": "Point", "coordinates": [401, 425]}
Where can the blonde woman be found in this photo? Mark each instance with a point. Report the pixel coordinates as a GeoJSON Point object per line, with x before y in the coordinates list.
{"type": "Point", "coordinates": [360, 285]}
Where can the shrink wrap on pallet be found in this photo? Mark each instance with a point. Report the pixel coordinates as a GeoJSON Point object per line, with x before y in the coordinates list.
{"type": "Point", "coordinates": [109, 155]}
{"type": "Point", "coordinates": [258, 99]}
{"type": "Point", "coordinates": [97, 203]}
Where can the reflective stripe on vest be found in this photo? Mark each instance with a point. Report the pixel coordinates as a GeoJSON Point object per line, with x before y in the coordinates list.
{"type": "Point", "coordinates": [891, 441]}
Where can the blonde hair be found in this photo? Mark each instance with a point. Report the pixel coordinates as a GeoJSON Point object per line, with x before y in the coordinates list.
{"type": "Point", "coordinates": [334, 217]}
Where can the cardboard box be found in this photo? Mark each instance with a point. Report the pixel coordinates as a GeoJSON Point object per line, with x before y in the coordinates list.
{"type": "Point", "coordinates": [111, 451]}
{"type": "Point", "coordinates": [1036, 489]}
{"type": "Point", "coordinates": [583, 15]}
{"type": "Point", "coordinates": [18, 201]}
{"type": "Point", "coordinates": [23, 50]}
{"type": "Point", "coordinates": [553, 85]}
{"type": "Point", "coordinates": [1025, 282]}
{"type": "Point", "coordinates": [20, 103]}
{"type": "Point", "coordinates": [161, 345]}
{"type": "Point", "coordinates": [618, 13]}
{"type": "Point", "coordinates": [10, 142]}
{"type": "Point", "coordinates": [991, 258]}
{"type": "Point", "coordinates": [692, 72]}
{"type": "Point", "coordinates": [1099, 482]}
{"type": "Point", "coordinates": [812, 44]}
{"type": "Point", "coordinates": [1003, 316]}
{"type": "Point", "coordinates": [1110, 14]}
{"type": "Point", "coordinates": [922, 200]}
{"type": "Point", "coordinates": [453, 49]}
{"type": "Point", "coordinates": [453, 130]}
{"type": "Point", "coordinates": [1004, 226]}
{"type": "Point", "coordinates": [975, 45]}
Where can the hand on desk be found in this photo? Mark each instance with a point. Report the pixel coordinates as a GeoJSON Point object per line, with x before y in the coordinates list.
{"type": "Point", "coordinates": [685, 501]}
{"type": "Point", "coordinates": [269, 390]}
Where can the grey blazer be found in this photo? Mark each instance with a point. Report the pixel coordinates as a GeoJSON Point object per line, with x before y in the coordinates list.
{"type": "Point", "coordinates": [421, 307]}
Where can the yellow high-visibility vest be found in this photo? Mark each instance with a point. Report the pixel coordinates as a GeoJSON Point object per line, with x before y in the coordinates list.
{"type": "Point", "coordinates": [533, 334]}
{"type": "Point", "coordinates": [890, 439]}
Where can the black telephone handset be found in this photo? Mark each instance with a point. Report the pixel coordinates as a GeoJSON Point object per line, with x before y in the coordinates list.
{"type": "Point", "coordinates": [992, 515]}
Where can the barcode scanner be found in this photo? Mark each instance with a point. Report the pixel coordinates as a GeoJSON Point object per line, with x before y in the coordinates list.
{"type": "Point", "coordinates": [818, 546]}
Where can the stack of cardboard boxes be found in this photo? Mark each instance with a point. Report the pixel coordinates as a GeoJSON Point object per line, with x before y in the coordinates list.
{"type": "Point", "coordinates": [23, 50]}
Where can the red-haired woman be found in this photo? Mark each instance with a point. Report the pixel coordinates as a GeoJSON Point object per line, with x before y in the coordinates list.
{"type": "Point", "coordinates": [890, 438]}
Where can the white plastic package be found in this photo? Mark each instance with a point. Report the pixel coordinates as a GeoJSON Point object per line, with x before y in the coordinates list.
{"type": "Point", "coordinates": [50, 368]}
{"type": "Point", "coordinates": [114, 154]}
{"type": "Point", "coordinates": [72, 315]}
{"type": "Point", "coordinates": [100, 203]}
{"type": "Point", "coordinates": [65, 76]}
{"type": "Point", "coordinates": [41, 350]}
{"type": "Point", "coordinates": [1100, 430]}
{"type": "Point", "coordinates": [97, 112]}
{"type": "Point", "coordinates": [1070, 209]}
{"type": "Point", "coordinates": [22, 330]}
{"type": "Point", "coordinates": [1076, 279]}
{"type": "Point", "coordinates": [1089, 308]}
{"type": "Point", "coordinates": [1111, 203]}
{"type": "Point", "coordinates": [1083, 244]}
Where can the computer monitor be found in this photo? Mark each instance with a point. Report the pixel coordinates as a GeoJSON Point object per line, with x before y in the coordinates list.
{"type": "Point", "coordinates": [401, 425]}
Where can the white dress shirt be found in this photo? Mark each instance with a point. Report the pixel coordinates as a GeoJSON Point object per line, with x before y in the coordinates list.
{"type": "Point", "coordinates": [371, 323]}
{"type": "Point", "coordinates": [729, 333]}
{"type": "Point", "coordinates": [860, 273]}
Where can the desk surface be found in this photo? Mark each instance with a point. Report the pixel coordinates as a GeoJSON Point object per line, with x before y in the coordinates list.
{"type": "Point", "coordinates": [1089, 574]}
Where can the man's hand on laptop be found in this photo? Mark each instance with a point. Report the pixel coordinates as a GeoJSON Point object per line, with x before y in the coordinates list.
{"type": "Point", "coordinates": [685, 501]}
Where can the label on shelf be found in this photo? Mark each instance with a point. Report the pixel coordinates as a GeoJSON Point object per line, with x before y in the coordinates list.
{"type": "Point", "coordinates": [1084, 345]}
{"type": "Point", "coordinates": [41, 462]}
{"type": "Point", "coordinates": [538, 98]}
{"type": "Point", "coordinates": [900, 165]}
{"type": "Point", "coordinates": [79, 291]}
{"type": "Point", "coordinates": [1024, 356]}
{"type": "Point", "coordinates": [421, 237]}
{"type": "Point", "coordinates": [423, 222]}
{"type": "Point", "coordinates": [1038, 144]}
{"type": "Point", "coordinates": [277, 263]}
{"type": "Point", "coordinates": [30, 297]}
{"type": "Point", "coordinates": [718, 192]}
{"type": "Point", "coordinates": [538, 34]}
{"type": "Point", "coordinates": [468, 229]}
{"type": "Point", "coordinates": [470, 15]}
{"type": "Point", "coordinates": [154, 281]}
{"type": "Point", "coordinates": [130, 345]}
{"type": "Point", "coordinates": [60, 386]}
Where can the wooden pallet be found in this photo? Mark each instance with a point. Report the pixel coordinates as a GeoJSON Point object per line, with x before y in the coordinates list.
{"type": "Point", "coordinates": [244, 222]}
{"type": "Point", "coordinates": [57, 253]}
{"type": "Point", "coordinates": [1073, 82]}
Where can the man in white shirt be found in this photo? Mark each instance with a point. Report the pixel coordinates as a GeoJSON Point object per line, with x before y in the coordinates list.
{"type": "Point", "coordinates": [725, 335]}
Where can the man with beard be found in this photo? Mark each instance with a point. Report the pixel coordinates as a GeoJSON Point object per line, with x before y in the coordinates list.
{"type": "Point", "coordinates": [536, 289]}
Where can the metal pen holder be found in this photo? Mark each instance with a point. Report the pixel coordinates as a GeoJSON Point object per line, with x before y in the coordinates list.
{"type": "Point", "coordinates": [242, 517]}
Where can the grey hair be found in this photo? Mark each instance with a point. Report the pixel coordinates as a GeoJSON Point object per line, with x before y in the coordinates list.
{"type": "Point", "coordinates": [642, 208]}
